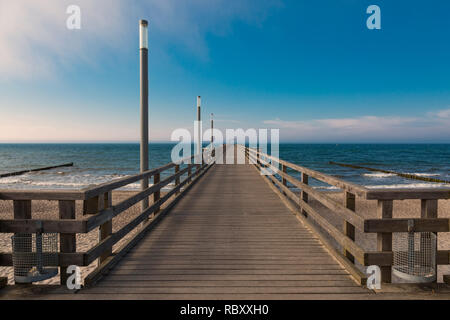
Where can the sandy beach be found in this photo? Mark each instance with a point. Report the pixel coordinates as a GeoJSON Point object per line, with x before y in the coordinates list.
{"type": "Point", "coordinates": [367, 209]}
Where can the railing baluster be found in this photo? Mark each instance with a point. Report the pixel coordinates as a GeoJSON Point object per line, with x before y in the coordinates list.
{"type": "Point", "coordinates": [384, 239]}
{"type": "Point", "coordinates": [284, 168]}
{"type": "Point", "coordinates": [429, 209]}
{"type": "Point", "coordinates": [68, 241]}
{"type": "Point", "coordinates": [349, 229]}
{"type": "Point", "coordinates": [93, 205]}
{"type": "Point", "coordinates": [177, 180]}
{"type": "Point", "coordinates": [157, 194]}
{"type": "Point", "coordinates": [189, 173]}
{"type": "Point", "coordinates": [22, 210]}
{"type": "Point", "coordinates": [105, 229]}
{"type": "Point", "coordinates": [304, 195]}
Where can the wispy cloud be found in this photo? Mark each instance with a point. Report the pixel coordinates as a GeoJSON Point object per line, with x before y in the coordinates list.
{"type": "Point", "coordinates": [440, 115]}
{"type": "Point", "coordinates": [35, 42]}
{"type": "Point", "coordinates": [434, 126]}
{"type": "Point", "coordinates": [34, 38]}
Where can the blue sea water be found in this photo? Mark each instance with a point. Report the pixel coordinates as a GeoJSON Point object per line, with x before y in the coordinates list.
{"type": "Point", "coordinates": [98, 163]}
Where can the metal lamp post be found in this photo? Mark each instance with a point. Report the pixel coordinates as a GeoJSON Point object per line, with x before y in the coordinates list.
{"type": "Point", "coordinates": [143, 50]}
{"type": "Point", "coordinates": [213, 152]}
{"type": "Point", "coordinates": [199, 132]}
{"type": "Point", "coordinates": [212, 128]}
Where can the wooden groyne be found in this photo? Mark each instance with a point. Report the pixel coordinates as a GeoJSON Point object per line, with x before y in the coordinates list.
{"type": "Point", "coordinates": [227, 232]}
{"type": "Point", "coordinates": [400, 174]}
{"type": "Point", "coordinates": [18, 173]}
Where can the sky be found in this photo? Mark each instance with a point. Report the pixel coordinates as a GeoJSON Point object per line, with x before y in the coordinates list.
{"type": "Point", "coordinates": [311, 69]}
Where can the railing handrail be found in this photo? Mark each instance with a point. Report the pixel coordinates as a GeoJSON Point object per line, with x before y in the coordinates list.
{"type": "Point", "coordinates": [363, 192]}
{"type": "Point", "coordinates": [99, 212]}
{"type": "Point", "coordinates": [85, 193]}
{"type": "Point", "coordinates": [384, 226]}
{"type": "Point", "coordinates": [118, 183]}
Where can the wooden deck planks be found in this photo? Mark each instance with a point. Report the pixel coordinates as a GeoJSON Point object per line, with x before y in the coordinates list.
{"type": "Point", "coordinates": [230, 235]}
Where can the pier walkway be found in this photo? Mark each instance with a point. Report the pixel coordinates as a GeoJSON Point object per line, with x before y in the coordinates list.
{"type": "Point", "coordinates": [229, 237]}
{"type": "Point", "coordinates": [230, 233]}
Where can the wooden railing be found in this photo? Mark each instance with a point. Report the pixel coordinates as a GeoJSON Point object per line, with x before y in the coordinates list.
{"type": "Point", "coordinates": [383, 226]}
{"type": "Point", "coordinates": [98, 212]}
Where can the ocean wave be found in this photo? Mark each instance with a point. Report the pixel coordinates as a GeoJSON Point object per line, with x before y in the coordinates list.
{"type": "Point", "coordinates": [409, 186]}
{"type": "Point", "coordinates": [326, 188]}
{"type": "Point", "coordinates": [386, 175]}
{"type": "Point", "coordinates": [378, 175]}
{"type": "Point", "coordinates": [56, 184]}
{"type": "Point", "coordinates": [424, 174]}
{"type": "Point", "coordinates": [68, 181]}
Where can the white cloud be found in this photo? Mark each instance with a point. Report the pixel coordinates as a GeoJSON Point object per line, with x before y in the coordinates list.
{"type": "Point", "coordinates": [34, 38]}
{"type": "Point", "coordinates": [433, 126]}
{"type": "Point", "coordinates": [35, 42]}
{"type": "Point", "coordinates": [443, 114]}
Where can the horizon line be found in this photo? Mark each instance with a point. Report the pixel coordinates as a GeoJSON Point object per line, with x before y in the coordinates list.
{"type": "Point", "coordinates": [207, 141]}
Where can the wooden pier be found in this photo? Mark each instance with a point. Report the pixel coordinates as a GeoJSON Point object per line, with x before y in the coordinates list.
{"type": "Point", "coordinates": [228, 232]}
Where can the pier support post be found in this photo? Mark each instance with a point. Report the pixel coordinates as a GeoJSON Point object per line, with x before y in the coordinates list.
{"type": "Point", "coordinates": [384, 240]}
{"type": "Point", "coordinates": [143, 50]}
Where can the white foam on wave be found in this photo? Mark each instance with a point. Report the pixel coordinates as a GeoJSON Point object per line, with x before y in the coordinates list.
{"type": "Point", "coordinates": [68, 181]}
{"type": "Point", "coordinates": [9, 180]}
{"type": "Point", "coordinates": [424, 174]}
{"type": "Point", "coordinates": [327, 188]}
{"type": "Point", "coordinates": [378, 175]}
{"type": "Point", "coordinates": [386, 175]}
{"type": "Point", "coordinates": [409, 186]}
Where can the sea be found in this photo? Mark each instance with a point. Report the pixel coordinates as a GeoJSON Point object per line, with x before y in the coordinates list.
{"type": "Point", "coordinates": [96, 163]}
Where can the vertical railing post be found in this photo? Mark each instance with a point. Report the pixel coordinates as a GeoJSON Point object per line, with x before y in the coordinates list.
{"type": "Point", "coordinates": [349, 229]}
{"type": "Point", "coordinates": [304, 194]}
{"type": "Point", "coordinates": [384, 239]}
{"type": "Point", "coordinates": [189, 173]}
{"type": "Point", "coordinates": [429, 209]}
{"type": "Point", "coordinates": [105, 229]}
{"type": "Point", "coordinates": [157, 194]}
{"type": "Point", "coordinates": [68, 241]}
{"type": "Point", "coordinates": [177, 179]}
{"type": "Point", "coordinates": [284, 168]}
{"type": "Point", "coordinates": [22, 210]}
{"type": "Point", "coordinates": [93, 206]}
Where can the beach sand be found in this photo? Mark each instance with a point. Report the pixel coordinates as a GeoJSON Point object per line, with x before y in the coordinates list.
{"type": "Point", "coordinates": [366, 208]}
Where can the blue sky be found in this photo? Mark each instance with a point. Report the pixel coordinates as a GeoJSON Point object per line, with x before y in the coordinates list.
{"type": "Point", "coordinates": [310, 68]}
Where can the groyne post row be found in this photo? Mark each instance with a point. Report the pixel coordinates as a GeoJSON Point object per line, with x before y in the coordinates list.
{"type": "Point", "coordinates": [404, 175]}
{"type": "Point", "coordinates": [18, 173]}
